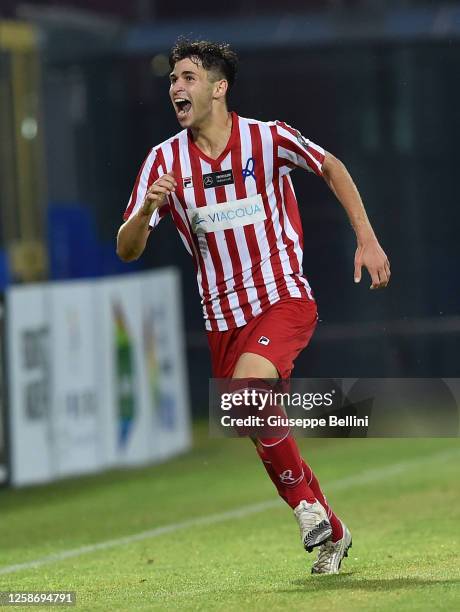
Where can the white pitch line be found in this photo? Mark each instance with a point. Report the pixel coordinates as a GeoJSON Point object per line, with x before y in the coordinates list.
{"type": "Point", "coordinates": [366, 477]}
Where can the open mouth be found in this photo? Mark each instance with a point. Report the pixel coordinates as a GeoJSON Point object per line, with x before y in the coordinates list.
{"type": "Point", "coordinates": [183, 106]}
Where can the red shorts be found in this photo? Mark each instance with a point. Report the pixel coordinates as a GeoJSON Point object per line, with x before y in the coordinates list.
{"type": "Point", "coordinates": [278, 334]}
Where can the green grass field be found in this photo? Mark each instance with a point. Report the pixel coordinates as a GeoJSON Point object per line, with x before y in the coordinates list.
{"type": "Point", "coordinates": [224, 548]}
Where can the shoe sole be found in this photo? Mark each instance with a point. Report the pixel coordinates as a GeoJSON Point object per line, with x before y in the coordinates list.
{"type": "Point", "coordinates": [317, 536]}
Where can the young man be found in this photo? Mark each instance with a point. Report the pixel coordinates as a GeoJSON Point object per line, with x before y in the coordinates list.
{"type": "Point", "coordinates": [226, 182]}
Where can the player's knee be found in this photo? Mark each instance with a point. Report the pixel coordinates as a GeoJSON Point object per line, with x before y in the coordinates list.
{"type": "Point", "coordinates": [250, 365]}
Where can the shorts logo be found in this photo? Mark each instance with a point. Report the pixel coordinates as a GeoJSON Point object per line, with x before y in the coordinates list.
{"type": "Point", "coordinates": [264, 340]}
{"type": "Point", "coordinates": [187, 182]}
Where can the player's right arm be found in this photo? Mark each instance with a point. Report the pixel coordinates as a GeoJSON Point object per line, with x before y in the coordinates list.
{"type": "Point", "coordinates": [133, 234]}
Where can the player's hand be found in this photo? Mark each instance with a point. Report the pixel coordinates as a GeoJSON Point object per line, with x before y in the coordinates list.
{"type": "Point", "coordinates": [158, 192]}
{"type": "Point", "coordinates": [371, 255]}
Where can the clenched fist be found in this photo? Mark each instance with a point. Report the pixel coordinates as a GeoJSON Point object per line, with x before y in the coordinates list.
{"type": "Point", "coordinates": [158, 192]}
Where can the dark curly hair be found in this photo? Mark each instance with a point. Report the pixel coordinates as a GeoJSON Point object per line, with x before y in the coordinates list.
{"type": "Point", "coordinates": [214, 57]}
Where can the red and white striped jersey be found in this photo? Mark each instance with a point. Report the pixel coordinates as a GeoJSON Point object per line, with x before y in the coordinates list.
{"type": "Point", "coordinates": [237, 215]}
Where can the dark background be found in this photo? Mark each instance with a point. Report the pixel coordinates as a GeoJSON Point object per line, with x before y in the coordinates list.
{"type": "Point", "coordinates": [376, 86]}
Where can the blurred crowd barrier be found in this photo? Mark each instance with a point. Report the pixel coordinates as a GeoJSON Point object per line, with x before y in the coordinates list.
{"type": "Point", "coordinates": [96, 375]}
{"type": "Point", "coordinates": [23, 251]}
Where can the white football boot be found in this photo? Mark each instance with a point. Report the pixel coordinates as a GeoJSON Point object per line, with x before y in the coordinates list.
{"type": "Point", "coordinates": [331, 554]}
{"type": "Point", "coordinates": [315, 527]}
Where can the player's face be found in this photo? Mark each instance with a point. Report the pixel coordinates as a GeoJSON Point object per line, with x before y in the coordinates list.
{"type": "Point", "coordinates": [191, 93]}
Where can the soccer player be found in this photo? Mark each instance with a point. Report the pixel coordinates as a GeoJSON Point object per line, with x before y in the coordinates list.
{"type": "Point", "coordinates": [226, 182]}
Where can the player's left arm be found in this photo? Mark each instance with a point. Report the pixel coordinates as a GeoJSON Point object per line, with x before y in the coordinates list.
{"type": "Point", "coordinates": [369, 253]}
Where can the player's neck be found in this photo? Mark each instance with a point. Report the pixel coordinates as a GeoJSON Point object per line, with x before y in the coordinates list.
{"type": "Point", "coordinates": [212, 136]}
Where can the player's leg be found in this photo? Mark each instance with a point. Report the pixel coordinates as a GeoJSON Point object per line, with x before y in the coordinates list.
{"type": "Point", "coordinates": [313, 483]}
{"type": "Point", "coordinates": [226, 351]}
{"type": "Point", "coordinates": [332, 552]}
{"type": "Point", "coordinates": [280, 455]}
{"type": "Point", "coordinates": [282, 460]}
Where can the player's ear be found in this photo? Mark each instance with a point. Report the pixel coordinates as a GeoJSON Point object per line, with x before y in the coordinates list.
{"type": "Point", "coordinates": [220, 88]}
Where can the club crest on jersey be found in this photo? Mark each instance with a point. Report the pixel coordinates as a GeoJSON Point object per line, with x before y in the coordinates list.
{"type": "Point", "coordinates": [187, 182]}
{"type": "Point", "coordinates": [248, 170]}
{"type": "Point", "coordinates": [264, 340]}
{"type": "Point", "coordinates": [227, 215]}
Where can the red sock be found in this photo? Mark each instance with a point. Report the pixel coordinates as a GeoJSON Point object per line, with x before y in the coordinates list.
{"type": "Point", "coordinates": [286, 470]}
{"type": "Point", "coordinates": [279, 450]}
{"type": "Point", "coordinates": [337, 531]}
{"type": "Point", "coordinates": [271, 472]}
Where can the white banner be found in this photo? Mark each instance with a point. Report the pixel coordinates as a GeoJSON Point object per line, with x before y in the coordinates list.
{"type": "Point", "coordinates": [76, 422]}
{"type": "Point", "coordinates": [97, 375]}
{"type": "Point", "coordinates": [164, 357]}
{"type": "Point", "coordinates": [29, 385]}
{"type": "Point", "coordinates": [3, 465]}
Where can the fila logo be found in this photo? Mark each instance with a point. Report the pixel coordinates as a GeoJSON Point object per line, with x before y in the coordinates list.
{"type": "Point", "coordinates": [249, 169]}
{"type": "Point", "coordinates": [264, 340]}
{"type": "Point", "coordinates": [187, 182]}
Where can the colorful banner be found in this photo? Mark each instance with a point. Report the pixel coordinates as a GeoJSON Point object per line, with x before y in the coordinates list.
{"type": "Point", "coordinates": [123, 371]}
{"type": "Point", "coordinates": [144, 367]}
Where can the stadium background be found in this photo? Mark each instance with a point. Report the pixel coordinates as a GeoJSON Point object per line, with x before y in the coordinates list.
{"type": "Point", "coordinates": [373, 85]}
{"type": "Point", "coordinates": [83, 96]}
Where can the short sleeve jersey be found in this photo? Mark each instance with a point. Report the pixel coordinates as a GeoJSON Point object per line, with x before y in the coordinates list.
{"type": "Point", "coordinates": [237, 215]}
